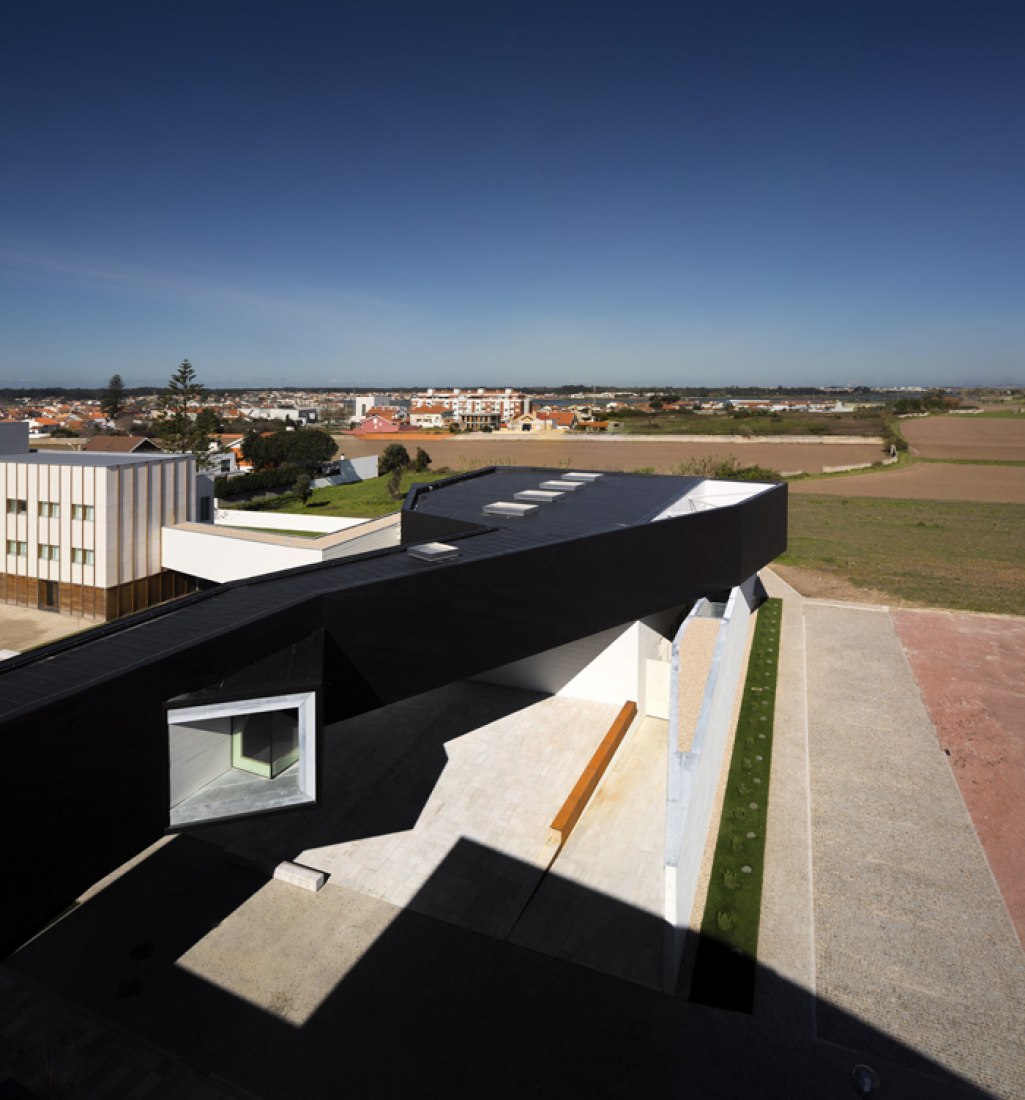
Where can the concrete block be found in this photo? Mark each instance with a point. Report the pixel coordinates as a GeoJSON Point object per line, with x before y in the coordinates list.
{"type": "Point", "coordinates": [307, 878]}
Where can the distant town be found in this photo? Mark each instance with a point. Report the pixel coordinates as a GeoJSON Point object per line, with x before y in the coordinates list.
{"type": "Point", "coordinates": [70, 414]}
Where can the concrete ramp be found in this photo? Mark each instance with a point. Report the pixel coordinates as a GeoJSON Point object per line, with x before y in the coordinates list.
{"type": "Point", "coordinates": [615, 852]}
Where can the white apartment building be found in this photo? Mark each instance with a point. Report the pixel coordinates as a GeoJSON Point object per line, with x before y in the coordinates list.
{"type": "Point", "coordinates": [476, 409]}
{"type": "Point", "coordinates": [82, 532]}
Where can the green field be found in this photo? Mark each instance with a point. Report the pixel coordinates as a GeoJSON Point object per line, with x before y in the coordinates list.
{"type": "Point", "coordinates": [363, 499]}
{"type": "Point", "coordinates": [957, 554]}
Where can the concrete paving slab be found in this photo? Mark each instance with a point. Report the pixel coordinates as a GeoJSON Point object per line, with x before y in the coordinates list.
{"type": "Point", "coordinates": [910, 931]}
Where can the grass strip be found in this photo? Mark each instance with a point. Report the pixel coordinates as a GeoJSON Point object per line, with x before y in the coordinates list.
{"type": "Point", "coordinates": [727, 952]}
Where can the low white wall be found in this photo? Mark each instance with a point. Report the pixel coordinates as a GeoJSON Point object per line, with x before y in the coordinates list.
{"type": "Point", "coordinates": [215, 557]}
{"type": "Point", "coordinates": [693, 777]}
{"type": "Point", "coordinates": [283, 521]}
{"type": "Point", "coordinates": [350, 470]}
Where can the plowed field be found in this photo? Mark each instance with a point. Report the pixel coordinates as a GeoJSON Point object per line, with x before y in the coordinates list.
{"type": "Point", "coordinates": [966, 437]}
{"type": "Point", "coordinates": [926, 481]}
{"type": "Point", "coordinates": [614, 453]}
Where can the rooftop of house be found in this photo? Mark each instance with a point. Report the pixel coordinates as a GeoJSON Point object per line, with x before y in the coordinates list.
{"type": "Point", "coordinates": [85, 458]}
{"type": "Point", "coordinates": [125, 444]}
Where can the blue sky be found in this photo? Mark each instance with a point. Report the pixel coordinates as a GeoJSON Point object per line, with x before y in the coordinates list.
{"type": "Point", "coordinates": [512, 192]}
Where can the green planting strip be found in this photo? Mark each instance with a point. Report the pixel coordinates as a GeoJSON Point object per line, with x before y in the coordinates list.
{"type": "Point", "coordinates": [727, 951]}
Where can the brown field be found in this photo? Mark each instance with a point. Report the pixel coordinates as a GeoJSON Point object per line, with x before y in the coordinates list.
{"type": "Point", "coordinates": [966, 437]}
{"type": "Point", "coordinates": [594, 453]}
{"type": "Point", "coordinates": [927, 481]}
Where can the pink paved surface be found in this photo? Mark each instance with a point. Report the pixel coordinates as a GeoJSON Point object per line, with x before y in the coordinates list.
{"type": "Point", "coordinates": [971, 672]}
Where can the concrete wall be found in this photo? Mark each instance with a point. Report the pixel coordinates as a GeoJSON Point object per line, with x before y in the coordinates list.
{"type": "Point", "coordinates": [693, 777]}
{"type": "Point", "coordinates": [610, 667]}
{"type": "Point", "coordinates": [278, 521]}
{"type": "Point", "coordinates": [214, 557]}
{"type": "Point", "coordinates": [220, 553]}
{"type": "Point", "coordinates": [200, 752]}
{"type": "Point", "coordinates": [351, 469]}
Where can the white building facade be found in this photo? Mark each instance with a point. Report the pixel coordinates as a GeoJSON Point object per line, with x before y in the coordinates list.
{"type": "Point", "coordinates": [476, 409]}
{"type": "Point", "coordinates": [82, 532]}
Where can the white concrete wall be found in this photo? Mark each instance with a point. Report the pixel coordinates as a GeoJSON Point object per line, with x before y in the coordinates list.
{"type": "Point", "coordinates": [693, 777]}
{"type": "Point", "coordinates": [351, 469]}
{"type": "Point", "coordinates": [199, 752]}
{"type": "Point", "coordinates": [280, 521]}
{"type": "Point", "coordinates": [217, 558]}
{"type": "Point", "coordinates": [381, 538]}
{"type": "Point", "coordinates": [608, 667]}
{"type": "Point", "coordinates": [601, 667]}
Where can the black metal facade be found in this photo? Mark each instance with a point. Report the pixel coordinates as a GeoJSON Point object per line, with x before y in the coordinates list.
{"type": "Point", "coordinates": [83, 721]}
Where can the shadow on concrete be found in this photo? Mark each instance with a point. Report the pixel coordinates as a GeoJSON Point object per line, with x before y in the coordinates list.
{"type": "Point", "coordinates": [376, 771]}
{"type": "Point", "coordinates": [429, 1008]}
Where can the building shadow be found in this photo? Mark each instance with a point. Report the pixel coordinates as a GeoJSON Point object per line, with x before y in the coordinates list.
{"type": "Point", "coordinates": [426, 1008]}
{"type": "Point", "coordinates": [377, 771]}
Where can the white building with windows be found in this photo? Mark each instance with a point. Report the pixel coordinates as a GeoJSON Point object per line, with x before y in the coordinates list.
{"type": "Point", "coordinates": [82, 532]}
{"type": "Point", "coordinates": [476, 409]}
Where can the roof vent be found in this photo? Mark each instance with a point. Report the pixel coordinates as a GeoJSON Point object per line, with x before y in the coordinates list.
{"type": "Point", "coordinates": [433, 551]}
{"type": "Point", "coordinates": [537, 496]}
{"type": "Point", "coordinates": [582, 477]}
{"type": "Point", "coordinates": [562, 486]}
{"type": "Point", "coordinates": [510, 509]}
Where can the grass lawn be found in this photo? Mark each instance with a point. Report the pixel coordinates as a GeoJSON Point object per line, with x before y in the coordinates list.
{"type": "Point", "coordinates": [724, 966]}
{"type": "Point", "coordinates": [361, 499]}
{"type": "Point", "coordinates": [958, 554]}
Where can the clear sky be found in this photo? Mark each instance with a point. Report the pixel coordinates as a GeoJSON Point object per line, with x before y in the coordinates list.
{"type": "Point", "coordinates": [510, 192]}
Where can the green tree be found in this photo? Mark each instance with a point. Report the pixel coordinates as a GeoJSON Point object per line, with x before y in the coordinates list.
{"type": "Point", "coordinates": [304, 447]}
{"type": "Point", "coordinates": [181, 401]}
{"type": "Point", "coordinates": [113, 399]}
{"type": "Point", "coordinates": [395, 483]}
{"type": "Point", "coordinates": [302, 487]}
{"type": "Point", "coordinates": [393, 457]}
{"type": "Point", "coordinates": [421, 460]}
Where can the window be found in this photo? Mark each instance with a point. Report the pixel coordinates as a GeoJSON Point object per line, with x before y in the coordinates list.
{"type": "Point", "coordinates": [48, 552]}
{"type": "Point", "coordinates": [49, 509]}
{"type": "Point", "coordinates": [82, 511]}
{"type": "Point", "coordinates": [272, 741]}
{"type": "Point", "coordinates": [19, 549]}
{"type": "Point", "coordinates": [81, 557]}
{"type": "Point", "coordinates": [17, 506]}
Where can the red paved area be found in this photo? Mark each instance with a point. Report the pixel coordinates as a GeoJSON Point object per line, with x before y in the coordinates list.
{"type": "Point", "coordinates": [971, 672]}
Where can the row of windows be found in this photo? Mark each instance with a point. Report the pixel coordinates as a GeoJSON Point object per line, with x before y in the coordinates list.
{"type": "Point", "coordinates": [48, 509]}
{"type": "Point", "coordinates": [79, 556]}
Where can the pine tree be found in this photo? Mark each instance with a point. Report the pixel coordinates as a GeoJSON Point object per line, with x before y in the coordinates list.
{"type": "Point", "coordinates": [113, 399]}
{"type": "Point", "coordinates": [181, 402]}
